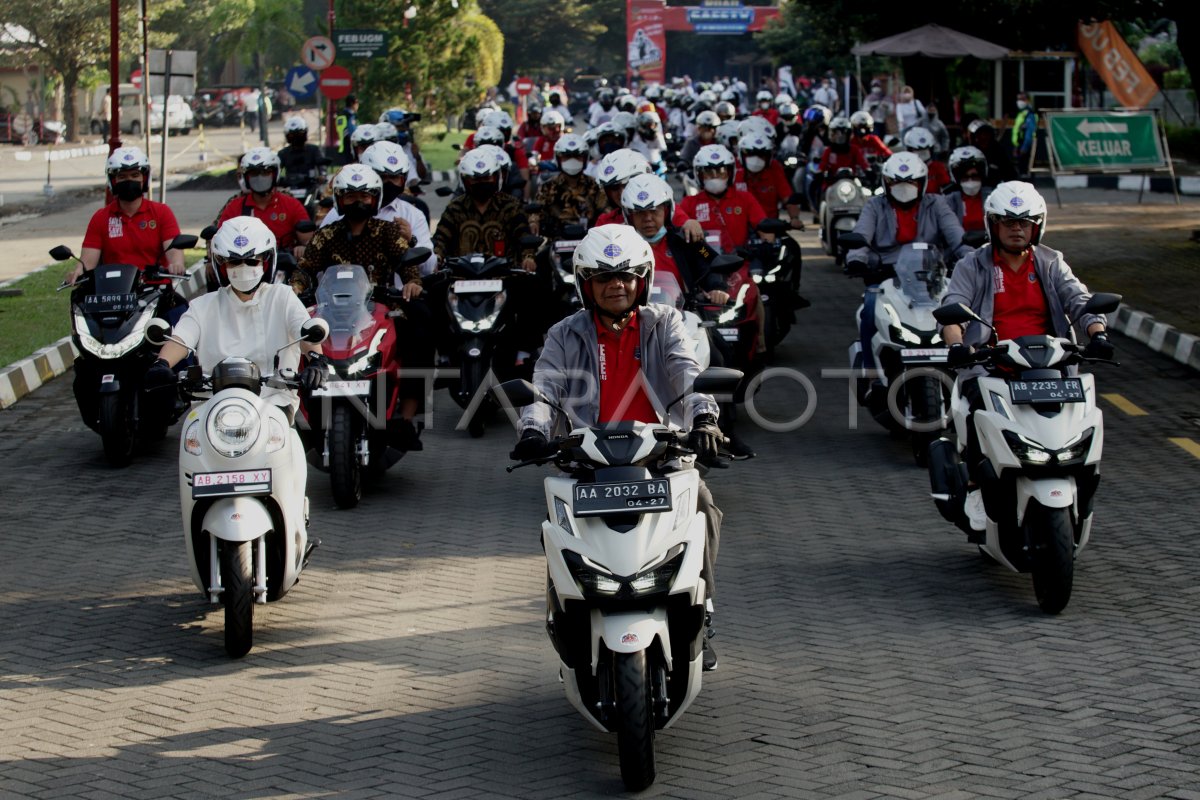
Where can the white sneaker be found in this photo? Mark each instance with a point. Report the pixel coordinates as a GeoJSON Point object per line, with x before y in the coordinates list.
{"type": "Point", "coordinates": [973, 508]}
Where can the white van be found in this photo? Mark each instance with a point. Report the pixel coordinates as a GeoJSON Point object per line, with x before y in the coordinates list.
{"type": "Point", "coordinates": [180, 118]}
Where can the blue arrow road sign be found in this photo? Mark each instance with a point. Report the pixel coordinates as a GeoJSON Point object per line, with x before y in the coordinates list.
{"type": "Point", "coordinates": [301, 82]}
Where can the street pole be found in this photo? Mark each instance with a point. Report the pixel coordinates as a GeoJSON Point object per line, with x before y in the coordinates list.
{"type": "Point", "coordinates": [146, 76]}
{"type": "Point", "coordinates": [162, 162]}
{"type": "Point", "coordinates": [114, 82]}
{"type": "Point", "coordinates": [330, 111]}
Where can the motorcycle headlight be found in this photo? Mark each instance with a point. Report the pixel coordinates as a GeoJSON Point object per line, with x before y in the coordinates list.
{"type": "Point", "coordinates": [233, 427]}
{"type": "Point", "coordinates": [845, 191]}
{"type": "Point", "coordinates": [1027, 451]}
{"type": "Point", "coordinates": [658, 577]}
{"type": "Point", "coordinates": [1076, 451]}
{"type": "Point", "coordinates": [117, 349]}
{"type": "Point", "coordinates": [591, 578]}
{"type": "Point", "coordinates": [191, 439]}
{"type": "Point", "coordinates": [276, 435]}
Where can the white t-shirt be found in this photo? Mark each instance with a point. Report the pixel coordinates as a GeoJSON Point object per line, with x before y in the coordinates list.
{"type": "Point", "coordinates": [401, 209]}
{"type": "Point", "coordinates": [219, 325]}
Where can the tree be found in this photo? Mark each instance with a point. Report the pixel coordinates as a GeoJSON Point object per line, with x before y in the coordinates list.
{"type": "Point", "coordinates": [552, 37]}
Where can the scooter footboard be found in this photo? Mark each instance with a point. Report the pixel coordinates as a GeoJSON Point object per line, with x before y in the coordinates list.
{"type": "Point", "coordinates": [237, 519]}
{"type": "Point", "coordinates": [629, 633]}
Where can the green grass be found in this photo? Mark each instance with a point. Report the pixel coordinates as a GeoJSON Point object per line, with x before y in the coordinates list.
{"type": "Point", "coordinates": [40, 316]}
{"type": "Point", "coordinates": [436, 144]}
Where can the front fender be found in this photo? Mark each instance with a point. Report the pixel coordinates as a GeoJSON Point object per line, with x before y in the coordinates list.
{"type": "Point", "coordinates": [237, 519]}
{"type": "Point", "coordinates": [629, 633]}
{"type": "Point", "coordinates": [1047, 492]}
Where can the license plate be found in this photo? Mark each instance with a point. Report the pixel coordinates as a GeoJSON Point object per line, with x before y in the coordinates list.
{"type": "Point", "coordinates": [592, 499]}
{"type": "Point", "coordinates": [224, 484]}
{"type": "Point", "coordinates": [935, 354]}
{"type": "Point", "coordinates": [713, 239]}
{"type": "Point", "coordinates": [467, 287]}
{"type": "Point", "coordinates": [110, 303]}
{"type": "Point", "coordinates": [1054, 390]}
{"type": "Point", "coordinates": [343, 389]}
{"type": "Point", "coordinates": [567, 247]}
{"type": "Point", "coordinates": [728, 334]}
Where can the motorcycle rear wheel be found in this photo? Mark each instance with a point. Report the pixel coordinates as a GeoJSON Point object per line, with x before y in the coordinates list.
{"type": "Point", "coordinates": [237, 576]}
{"type": "Point", "coordinates": [635, 719]}
{"type": "Point", "coordinates": [116, 430]}
{"type": "Point", "coordinates": [345, 473]}
{"type": "Point", "coordinates": [1053, 570]}
{"type": "Point", "coordinates": [926, 405]}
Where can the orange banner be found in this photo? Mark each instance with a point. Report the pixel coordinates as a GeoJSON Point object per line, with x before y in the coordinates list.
{"type": "Point", "coordinates": [1121, 70]}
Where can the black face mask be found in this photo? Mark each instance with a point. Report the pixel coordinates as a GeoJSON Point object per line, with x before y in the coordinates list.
{"type": "Point", "coordinates": [127, 190]}
{"type": "Point", "coordinates": [358, 212]}
{"type": "Point", "coordinates": [391, 191]}
{"type": "Point", "coordinates": [609, 146]}
{"type": "Point", "coordinates": [481, 192]}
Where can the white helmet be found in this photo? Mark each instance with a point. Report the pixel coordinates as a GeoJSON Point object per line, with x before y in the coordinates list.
{"type": "Point", "coordinates": [387, 132]}
{"type": "Point", "coordinates": [725, 110]}
{"type": "Point", "coordinates": [501, 120]}
{"type": "Point", "coordinates": [965, 157]}
{"type": "Point", "coordinates": [763, 97]}
{"type": "Point", "coordinates": [552, 117]}
{"type": "Point", "coordinates": [1016, 200]}
{"type": "Point", "coordinates": [357, 178]}
{"type": "Point", "coordinates": [713, 155]}
{"type": "Point", "coordinates": [570, 144]}
{"type": "Point", "coordinates": [782, 99]}
{"type": "Point", "coordinates": [256, 159]}
{"type": "Point", "coordinates": [788, 112]}
{"type": "Point", "coordinates": [481, 162]}
{"type": "Point", "coordinates": [708, 119]}
{"type": "Point", "coordinates": [620, 165]}
{"type": "Point", "coordinates": [919, 139]}
{"type": "Point", "coordinates": [841, 127]}
{"type": "Point", "coordinates": [648, 122]}
{"type": "Point", "coordinates": [727, 133]}
{"type": "Point", "coordinates": [644, 192]}
{"type": "Point", "coordinates": [708, 96]}
{"type": "Point", "coordinates": [761, 125]}
{"type": "Point", "coordinates": [594, 135]}
{"type": "Point", "coordinates": [613, 248]}
{"type": "Point", "coordinates": [127, 158]}
{"type": "Point", "coordinates": [364, 135]}
{"type": "Point", "coordinates": [755, 143]}
{"type": "Point", "coordinates": [905, 167]}
{"type": "Point", "coordinates": [489, 134]}
{"type": "Point", "coordinates": [240, 240]}
{"type": "Point", "coordinates": [626, 122]}
{"type": "Point", "coordinates": [295, 123]}
{"type": "Point", "coordinates": [387, 159]}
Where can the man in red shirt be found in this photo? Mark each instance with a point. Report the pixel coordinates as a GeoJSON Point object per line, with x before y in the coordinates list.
{"type": "Point", "coordinates": [966, 197]}
{"type": "Point", "coordinates": [258, 174]}
{"type": "Point", "coordinates": [862, 124]}
{"type": "Point", "coordinates": [842, 153]}
{"type": "Point", "coordinates": [131, 229]}
{"type": "Point", "coordinates": [726, 213]}
{"type": "Point", "coordinates": [763, 176]}
{"type": "Point", "coordinates": [543, 147]}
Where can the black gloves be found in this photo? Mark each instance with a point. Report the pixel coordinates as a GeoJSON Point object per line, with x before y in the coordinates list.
{"type": "Point", "coordinates": [314, 375]}
{"type": "Point", "coordinates": [959, 355]}
{"type": "Point", "coordinates": [705, 437]}
{"type": "Point", "coordinates": [160, 376]}
{"type": "Point", "coordinates": [531, 446]}
{"type": "Point", "coordinates": [1100, 347]}
{"type": "Point", "coordinates": [856, 269]}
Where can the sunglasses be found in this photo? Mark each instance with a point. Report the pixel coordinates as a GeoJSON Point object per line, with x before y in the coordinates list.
{"type": "Point", "coordinates": [609, 277]}
{"type": "Point", "coordinates": [243, 262]}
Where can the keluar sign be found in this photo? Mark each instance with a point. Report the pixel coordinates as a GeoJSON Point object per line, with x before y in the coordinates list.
{"type": "Point", "coordinates": [1121, 70]}
{"type": "Point", "coordinates": [1104, 141]}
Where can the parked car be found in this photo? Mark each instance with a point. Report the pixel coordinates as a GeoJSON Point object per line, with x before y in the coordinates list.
{"type": "Point", "coordinates": [180, 118]}
{"type": "Point", "coordinates": [24, 129]}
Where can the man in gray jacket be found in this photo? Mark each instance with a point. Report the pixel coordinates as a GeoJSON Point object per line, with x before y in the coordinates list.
{"type": "Point", "coordinates": [619, 359]}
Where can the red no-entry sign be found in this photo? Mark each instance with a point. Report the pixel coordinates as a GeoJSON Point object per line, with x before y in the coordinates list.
{"type": "Point", "coordinates": [524, 86]}
{"type": "Point", "coordinates": [335, 82]}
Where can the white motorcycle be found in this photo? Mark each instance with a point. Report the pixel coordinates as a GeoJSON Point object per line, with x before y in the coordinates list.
{"type": "Point", "coordinates": [1040, 436]}
{"type": "Point", "coordinates": [840, 209]}
{"type": "Point", "coordinates": [625, 601]}
{"type": "Point", "coordinates": [667, 291]}
{"type": "Point", "coordinates": [242, 477]}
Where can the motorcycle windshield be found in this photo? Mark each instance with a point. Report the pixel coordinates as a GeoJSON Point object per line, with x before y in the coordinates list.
{"type": "Point", "coordinates": [666, 290]}
{"type": "Point", "coordinates": [920, 273]}
{"type": "Point", "coordinates": [343, 294]}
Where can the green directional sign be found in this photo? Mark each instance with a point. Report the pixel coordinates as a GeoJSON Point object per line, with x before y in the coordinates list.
{"type": "Point", "coordinates": [360, 43]}
{"type": "Point", "coordinates": [1104, 142]}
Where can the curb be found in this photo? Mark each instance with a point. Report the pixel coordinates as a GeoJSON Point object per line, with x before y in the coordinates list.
{"type": "Point", "coordinates": [25, 376]}
{"type": "Point", "coordinates": [1158, 336]}
{"type": "Point", "coordinates": [1125, 183]}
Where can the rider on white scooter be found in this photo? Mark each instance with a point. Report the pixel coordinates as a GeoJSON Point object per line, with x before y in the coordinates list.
{"type": "Point", "coordinates": [1021, 288]}
{"type": "Point", "coordinates": [593, 360]}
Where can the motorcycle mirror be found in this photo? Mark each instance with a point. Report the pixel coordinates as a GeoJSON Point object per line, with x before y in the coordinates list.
{"type": "Point", "coordinates": [415, 255]}
{"type": "Point", "coordinates": [158, 331]}
{"type": "Point", "coordinates": [529, 241]}
{"type": "Point", "coordinates": [574, 231]}
{"type": "Point", "coordinates": [772, 226]}
{"type": "Point", "coordinates": [285, 262]}
{"type": "Point", "coordinates": [61, 253]}
{"type": "Point", "coordinates": [324, 161]}
{"type": "Point", "coordinates": [1102, 303]}
{"type": "Point", "coordinates": [443, 191]}
{"type": "Point", "coordinates": [717, 380]}
{"type": "Point", "coordinates": [305, 226]}
{"type": "Point", "coordinates": [314, 331]}
{"type": "Point", "coordinates": [456, 146]}
{"type": "Point", "coordinates": [517, 393]}
{"type": "Point", "coordinates": [725, 263]}
{"type": "Point", "coordinates": [326, 202]}
{"type": "Point", "coordinates": [184, 241]}
{"type": "Point", "coordinates": [208, 233]}
{"type": "Point", "coordinates": [955, 314]}
{"type": "Point", "coordinates": [850, 239]}
{"type": "Point", "coordinates": [533, 208]}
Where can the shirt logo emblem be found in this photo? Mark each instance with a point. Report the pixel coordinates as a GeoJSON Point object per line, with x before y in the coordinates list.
{"type": "Point", "coordinates": [1033, 277]}
{"type": "Point", "coordinates": [115, 229]}
{"type": "Point", "coordinates": [142, 225]}
{"type": "Point", "coordinates": [153, 224]}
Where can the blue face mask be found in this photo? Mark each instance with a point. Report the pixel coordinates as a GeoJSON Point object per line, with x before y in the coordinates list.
{"type": "Point", "coordinates": [656, 238]}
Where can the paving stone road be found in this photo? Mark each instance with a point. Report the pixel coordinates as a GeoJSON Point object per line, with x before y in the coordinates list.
{"type": "Point", "coordinates": [866, 650]}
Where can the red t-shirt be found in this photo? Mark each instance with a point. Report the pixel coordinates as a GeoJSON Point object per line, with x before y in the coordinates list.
{"type": "Point", "coordinates": [906, 223]}
{"type": "Point", "coordinates": [543, 148]}
{"type": "Point", "coordinates": [281, 215]}
{"type": "Point", "coordinates": [832, 161]}
{"type": "Point", "coordinates": [872, 145]}
{"type": "Point", "coordinates": [770, 114]}
{"type": "Point", "coordinates": [622, 396]}
{"type": "Point", "coordinates": [939, 177]}
{"type": "Point", "coordinates": [136, 239]}
{"type": "Point", "coordinates": [972, 212]}
{"type": "Point", "coordinates": [769, 187]}
{"type": "Point", "coordinates": [665, 262]}
{"type": "Point", "coordinates": [1019, 303]}
{"type": "Point", "coordinates": [733, 215]}
{"type": "Point", "coordinates": [615, 216]}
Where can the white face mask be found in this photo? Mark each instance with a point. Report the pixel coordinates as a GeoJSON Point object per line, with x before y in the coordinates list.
{"type": "Point", "coordinates": [260, 183]}
{"type": "Point", "coordinates": [1021, 104]}
{"type": "Point", "coordinates": [755, 164]}
{"type": "Point", "coordinates": [971, 188]}
{"type": "Point", "coordinates": [572, 166]}
{"type": "Point", "coordinates": [903, 192]}
{"type": "Point", "coordinates": [715, 185]}
{"type": "Point", "coordinates": [244, 279]}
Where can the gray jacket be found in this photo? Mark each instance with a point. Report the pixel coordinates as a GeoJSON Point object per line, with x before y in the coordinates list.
{"type": "Point", "coordinates": [568, 372]}
{"type": "Point", "coordinates": [954, 199]}
{"type": "Point", "coordinates": [974, 285]}
{"type": "Point", "coordinates": [936, 225]}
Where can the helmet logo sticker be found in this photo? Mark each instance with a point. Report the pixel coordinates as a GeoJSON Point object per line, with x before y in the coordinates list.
{"type": "Point", "coordinates": [480, 165]}
{"type": "Point", "coordinates": [241, 241]}
{"type": "Point", "coordinates": [1016, 202]}
{"type": "Point", "coordinates": [609, 170]}
{"type": "Point", "coordinates": [392, 160]}
{"type": "Point", "coordinates": [643, 195]}
{"type": "Point", "coordinates": [904, 167]}
{"type": "Point", "coordinates": [612, 251]}
{"type": "Point", "coordinates": [356, 177]}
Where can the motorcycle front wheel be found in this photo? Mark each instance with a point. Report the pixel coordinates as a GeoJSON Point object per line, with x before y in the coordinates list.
{"type": "Point", "coordinates": [345, 473]}
{"type": "Point", "coordinates": [1053, 537]}
{"type": "Point", "coordinates": [635, 719]}
{"type": "Point", "coordinates": [116, 430]}
{"type": "Point", "coordinates": [237, 576]}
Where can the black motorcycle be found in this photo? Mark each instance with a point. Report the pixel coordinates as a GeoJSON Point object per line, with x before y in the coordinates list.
{"type": "Point", "coordinates": [776, 268]}
{"type": "Point", "coordinates": [111, 306]}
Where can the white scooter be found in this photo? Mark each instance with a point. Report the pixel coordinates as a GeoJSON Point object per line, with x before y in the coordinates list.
{"type": "Point", "coordinates": [841, 207]}
{"type": "Point", "coordinates": [1040, 437]}
{"type": "Point", "coordinates": [667, 291]}
{"type": "Point", "coordinates": [242, 477]}
{"type": "Point", "coordinates": [625, 602]}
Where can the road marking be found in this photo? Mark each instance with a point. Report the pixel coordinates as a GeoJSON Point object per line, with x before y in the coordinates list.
{"type": "Point", "coordinates": [1120, 402]}
{"type": "Point", "coordinates": [1187, 444]}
